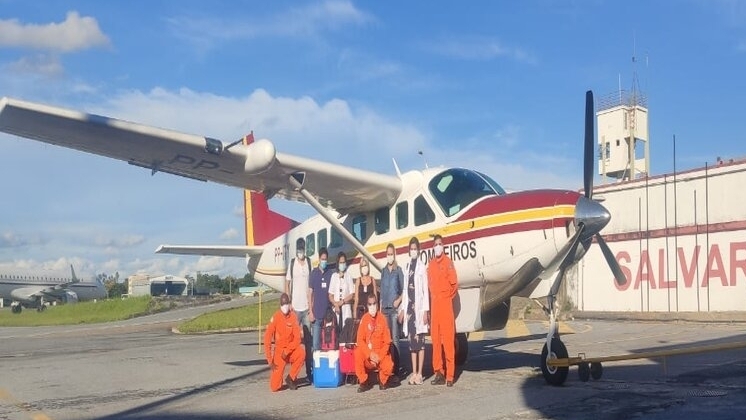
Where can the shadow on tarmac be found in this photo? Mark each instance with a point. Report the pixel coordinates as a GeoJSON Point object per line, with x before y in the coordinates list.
{"type": "Point", "coordinates": [150, 410]}
{"type": "Point", "coordinates": [708, 385]}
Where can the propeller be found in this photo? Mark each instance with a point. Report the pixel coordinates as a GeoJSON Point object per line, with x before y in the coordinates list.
{"type": "Point", "coordinates": [591, 214]}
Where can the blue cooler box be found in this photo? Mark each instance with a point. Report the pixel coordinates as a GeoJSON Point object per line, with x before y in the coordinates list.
{"type": "Point", "coordinates": [326, 372]}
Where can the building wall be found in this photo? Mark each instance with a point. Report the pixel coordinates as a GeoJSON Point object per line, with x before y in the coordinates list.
{"type": "Point", "coordinates": [681, 245]}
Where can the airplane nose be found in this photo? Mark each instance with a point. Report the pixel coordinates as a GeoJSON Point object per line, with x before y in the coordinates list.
{"type": "Point", "coordinates": [591, 214]}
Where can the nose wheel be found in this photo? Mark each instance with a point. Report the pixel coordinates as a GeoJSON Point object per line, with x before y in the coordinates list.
{"type": "Point", "coordinates": [553, 349]}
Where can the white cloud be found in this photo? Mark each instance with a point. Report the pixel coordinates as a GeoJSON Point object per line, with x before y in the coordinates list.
{"type": "Point", "coordinates": [74, 34]}
{"type": "Point", "coordinates": [41, 64]}
{"type": "Point", "coordinates": [231, 233]}
{"type": "Point", "coordinates": [299, 22]}
{"type": "Point", "coordinates": [479, 48]}
{"type": "Point", "coordinates": [119, 241]}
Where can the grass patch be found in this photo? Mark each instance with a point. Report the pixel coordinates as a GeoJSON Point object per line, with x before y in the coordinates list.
{"type": "Point", "coordinates": [244, 317]}
{"type": "Point", "coordinates": [84, 312]}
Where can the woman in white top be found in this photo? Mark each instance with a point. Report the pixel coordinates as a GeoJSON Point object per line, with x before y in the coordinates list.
{"type": "Point", "coordinates": [341, 290]}
{"type": "Point", "coordinates": [414, 310]}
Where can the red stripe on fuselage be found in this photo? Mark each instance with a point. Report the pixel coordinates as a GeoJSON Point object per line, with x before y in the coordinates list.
{"type": "Point", "coordinates": [520, 201]}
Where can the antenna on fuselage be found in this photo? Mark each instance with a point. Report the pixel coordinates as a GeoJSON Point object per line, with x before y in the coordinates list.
{"type": "Point", "coordinates": [419, 152]}
{"type": "Point", "coordinates": [398, 172]}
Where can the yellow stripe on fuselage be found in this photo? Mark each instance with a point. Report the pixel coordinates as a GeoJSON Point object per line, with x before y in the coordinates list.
{"type": "Point", "coordinates": [487, 222]}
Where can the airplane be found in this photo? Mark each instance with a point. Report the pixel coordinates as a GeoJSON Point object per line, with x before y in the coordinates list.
{"type": "Point", "coordinates": [502, 244]}
{"type": "Point", "coordinates": [39, 292]}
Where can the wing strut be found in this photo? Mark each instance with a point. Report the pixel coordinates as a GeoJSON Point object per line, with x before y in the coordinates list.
{"type": "Point", "coordinates": [326, 214]}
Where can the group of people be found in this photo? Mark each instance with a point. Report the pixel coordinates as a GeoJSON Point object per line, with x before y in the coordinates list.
{"type": "Point", "coordinates": [419, 297]}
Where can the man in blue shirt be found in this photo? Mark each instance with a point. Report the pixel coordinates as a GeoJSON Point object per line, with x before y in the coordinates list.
{"type": "Point", "coordinates": [392, 285]}
{"type": "Point", "coordinates": [319, 298]}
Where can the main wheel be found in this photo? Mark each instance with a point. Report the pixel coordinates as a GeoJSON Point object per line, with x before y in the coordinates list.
{"type": "Point", "coordinates": [462, 349]}
{"type": "Point", "coordinates": [552, 374]}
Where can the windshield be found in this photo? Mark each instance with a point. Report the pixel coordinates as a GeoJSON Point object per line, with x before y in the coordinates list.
{"type": "Point", "coordinates": [454, 189]}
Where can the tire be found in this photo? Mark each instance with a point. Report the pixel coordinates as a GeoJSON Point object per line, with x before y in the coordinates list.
{"type": "Point", "coordinates": [597, 370]}
{"type": "Point", "coordinates": [462, 349]}
{"type": "Point", "coordinates": [554, 375]}
{"type": "Point", "coordinates": [584, 372]}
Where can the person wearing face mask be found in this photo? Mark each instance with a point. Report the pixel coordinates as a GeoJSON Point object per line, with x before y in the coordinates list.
{"type": "Point", "coordinates": [392, 285]}
{"type": "Point", "coordinates": [414, 310]}
{"type": "Point", "coordinates": [297, 287]}
{"type": "Point", "coordinates": [341, 291]}
{"type": "Point", "coordinates": [372, 351]}
{"type": "Point", "coordinates": [443, 285]}
{"type": "Point", "coordinates": [319, 298]}
{"type": "Point", "coordinates": [365, 285]}
{"type": "Point", "coordinates": [284, 331]}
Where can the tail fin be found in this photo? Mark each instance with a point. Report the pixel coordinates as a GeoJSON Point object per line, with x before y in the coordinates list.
{"type": "Point", "coordinates": [72, 270]}
{"type": "Point", "coordinates": [262, 224]}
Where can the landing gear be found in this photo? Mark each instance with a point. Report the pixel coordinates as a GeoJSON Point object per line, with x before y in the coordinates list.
{"type": "Point", "coordinates": [554, 349]}
{"type": "Point", "coordinates": [462, 349]}
{"type": "Point", "coordinates": [16, 307]}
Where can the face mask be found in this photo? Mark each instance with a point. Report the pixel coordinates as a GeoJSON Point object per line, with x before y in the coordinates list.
{"type": "Point", "coordinates": [372, 310]}
{"type": "Point", "coordinates": [413, 254]}
{"type": "Point", "coordinates": [285, 308]}
{"type": "Point", "coordinates": [390, 259]}
{"type": "Point", "coordinates": [365, 270]}
{"type": "Point", "coordinates": [438, 250]}
{"type": "Point", "coordinates": [322, 265]}
{"type": "Point", "coordinates": [300, 254]}
{"type": "Point", "coordinates": [342, 267]}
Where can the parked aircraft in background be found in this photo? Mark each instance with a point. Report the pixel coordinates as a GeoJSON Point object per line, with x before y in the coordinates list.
{"type": "Point", "coordinates": [502, 245]}
{"type": "Point", "coordinates": [38, 292]}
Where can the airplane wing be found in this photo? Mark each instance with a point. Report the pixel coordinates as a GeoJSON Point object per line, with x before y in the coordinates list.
{"type": "Point", "coordinates": [214, 250]}
{"type": "Point", "coordinates": [257, 167]}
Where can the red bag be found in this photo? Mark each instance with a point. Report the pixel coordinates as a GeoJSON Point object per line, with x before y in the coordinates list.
{"type": "Point", "coordinates": [347, 359]}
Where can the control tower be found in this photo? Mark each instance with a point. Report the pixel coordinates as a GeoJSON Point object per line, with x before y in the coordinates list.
{"type": "Point", "coordinates": [623, 142]}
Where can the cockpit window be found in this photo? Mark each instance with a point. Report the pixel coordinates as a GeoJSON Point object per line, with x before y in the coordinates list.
{"type": "Point", "coordinates": [454, 189]}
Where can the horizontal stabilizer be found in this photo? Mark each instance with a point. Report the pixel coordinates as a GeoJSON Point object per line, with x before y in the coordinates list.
{"type": "Point", "coordinates": [212, 250]}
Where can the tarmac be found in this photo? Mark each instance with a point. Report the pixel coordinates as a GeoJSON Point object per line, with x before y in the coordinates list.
{"type": "Point", "coordinates": [140, 369]}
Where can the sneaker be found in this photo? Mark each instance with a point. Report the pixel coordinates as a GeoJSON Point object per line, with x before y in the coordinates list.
{"type": "Point", "coordinates": [412, 379]}
{"type": "Point", "coordinates": [439, 379]}
{"type": "Point", "coordinates": [383, 386]}
{"type": "Point", "coordinates": [449, 383]}
{"type": "Point", "coordinates": [291, 383]}
{"type": "Point", "coordinates": [418, 380]}
{"type": "Point", "coordinates": [364, 386]}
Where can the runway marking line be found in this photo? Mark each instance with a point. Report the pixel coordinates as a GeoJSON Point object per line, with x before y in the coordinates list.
{"type": "Point", "coordinates": [9, 398]}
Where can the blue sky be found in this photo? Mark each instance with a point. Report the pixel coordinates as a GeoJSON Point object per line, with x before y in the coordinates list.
{"type": "Point", "coordinates": [494, 85]}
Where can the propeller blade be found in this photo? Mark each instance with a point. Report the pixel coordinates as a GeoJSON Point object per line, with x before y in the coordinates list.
{"type": "Point", "coordinates": [613, 264]}
{"type": "Point", "coordinates": [566, 258]}
{"type": "Point", "coordinates": [588, 149]}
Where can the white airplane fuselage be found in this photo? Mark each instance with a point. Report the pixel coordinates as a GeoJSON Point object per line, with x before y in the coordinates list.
{"type": "Point", "coordinates": [489, 241]}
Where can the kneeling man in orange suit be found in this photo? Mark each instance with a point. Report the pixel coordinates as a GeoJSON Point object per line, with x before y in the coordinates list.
{"type": "Point", "coordinates": [283, 329]}
{"type": "Point", "coordinates": [372, 351]}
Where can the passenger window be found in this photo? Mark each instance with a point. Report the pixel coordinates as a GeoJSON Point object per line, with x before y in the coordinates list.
{"type": "Point", "coordinates": [359, 227]}
{"type": "Point", "coordinates": [402, 215]}
{"type": "Point", "coordinates": [382, 220]}
{"type": "Point", "coordinates": [321, 235]}
{"type": "Point", "coordinates": [422, 212]}
{"type": "Point", "coordinates": [310, 245]}
{"type": "Point", "coordinates": [336, 241]}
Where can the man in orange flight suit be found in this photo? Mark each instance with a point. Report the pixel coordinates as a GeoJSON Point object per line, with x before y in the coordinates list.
{"type": "Point", "coordinates": [284, 330]}
{"type": "Point", "coordinates": [443, 285]}
{"type": "Point", "coordinates": [372, 351]}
